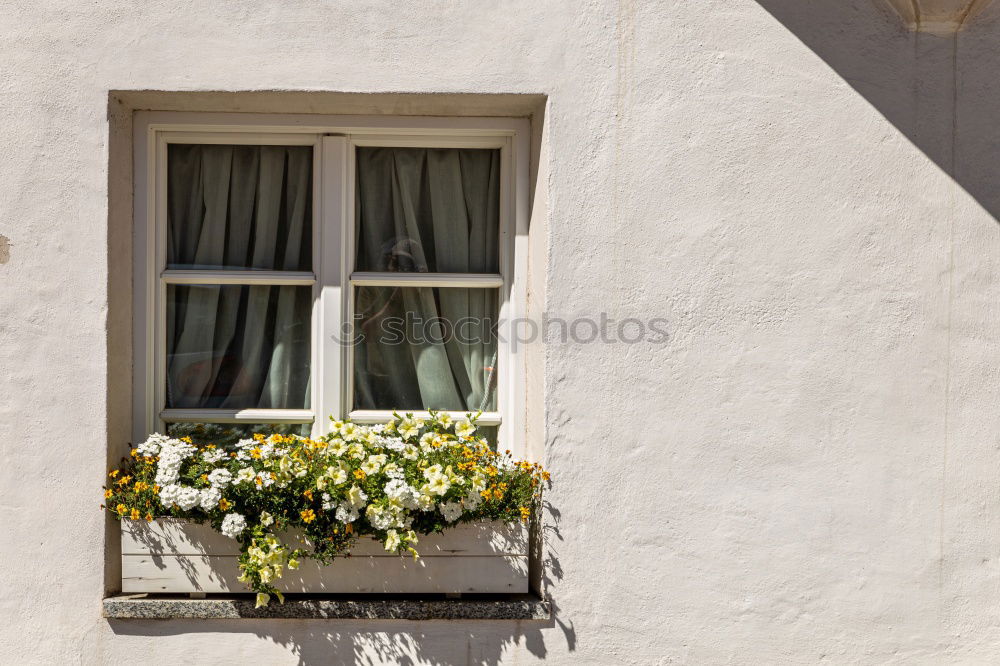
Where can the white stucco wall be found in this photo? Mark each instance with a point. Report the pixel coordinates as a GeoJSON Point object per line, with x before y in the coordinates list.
{"type": "Point", "coordinates": [807, 471]}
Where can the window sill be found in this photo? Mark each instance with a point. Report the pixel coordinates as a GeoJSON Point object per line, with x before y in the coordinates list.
{"type": "Point", "coordinates": [169, 607]}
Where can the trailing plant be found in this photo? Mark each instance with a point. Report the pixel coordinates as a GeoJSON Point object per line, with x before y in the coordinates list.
{"type": "Point", "coordinates": [392, 482]}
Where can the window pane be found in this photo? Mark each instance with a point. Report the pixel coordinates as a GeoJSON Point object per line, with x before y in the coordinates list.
{"type": "Point", "coordinates": [239, 207]}
{"type": "Point", "coordinates": [238, 347]}
{"type": "Point", "coordinates": [227, 434]}
{"type": "Point", "coordinates": [428, 210]}
{"type": "Point", "coordinates": [425, 348]}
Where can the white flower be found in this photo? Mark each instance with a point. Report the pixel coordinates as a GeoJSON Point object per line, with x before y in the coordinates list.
{"type": "Point", "coordinates": [266, 518]}
{"type": "Point", "coordinates": [425, 502]}
{"type": "Point", "coordinates": [188, 498]}
{"type": "Point", "coordinates": [398, 491]}
{"type": "Point", "coordinates": [327, 502]}
{"type": "Point", "coordinates": [262, 599]}
{"type": "Point", "coordinates": [478, 482]}
{"type": "Point", "coordinates": [393, 471]}
{"type": "Point", "coordinates": [356, 497]}
{"type": "Point", "coordinates": [337, 448]}
{"type": "Point", "coordinates": [443, 418]}
{"type": "Point", "coordinates": [410, 452]}
{"type": "Point", "coordinates": [379, 518]}
{"type": "Point", "coordinates": [472, 500]}
{"type": "Point", "coordinates": [210, 498]}
{"type": "Point", "coordinates": [426, 440]}
{"type": "Point", "coordinates": [349, 431]}
{"type": "Point", "coordinates": [213, 455]}
{"type": "Point", "coordinates": [463, 428]}
{"type": "Point", "coordinates": [233, 525]}
{"type": "Point", "coordinates": [409, 427]}
{"type": "Point", "coordinates": [220, 478]}
{"type": "Point", "coordinates": [450, 510]}
{"type": "Point", "coordinates": [439, 485]}
{"type": "Point", "coordinates": [245, 474]}
{"type": "Point", "coordinates": [169, 495]}
{"type": "Point", "coordinates": [370, 466]}
{"type": "Point", "coordinates": [432, 472]}
{"type": "Point", "coordinates": [151, 446]}
{"type": "Point", "coordinates": [392, 540]}
{"type": "Point", "coordinates": [346, 513]}
{"type": "Point", "coordinates": [173, 453]}
{"type": "Point", "coordinates": [391, 443]}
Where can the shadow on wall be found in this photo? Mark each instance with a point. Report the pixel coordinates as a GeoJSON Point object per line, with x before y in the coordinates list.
{"type": "Point", "coordinates": [381, 642]}
{"type": "Point", "coordinates": [942, 92]}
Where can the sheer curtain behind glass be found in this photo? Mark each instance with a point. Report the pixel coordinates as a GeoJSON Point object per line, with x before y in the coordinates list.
{"type": "Point", "coordinates": [239, 208]}
{"type": "Point", "coordinates": [427, 210]}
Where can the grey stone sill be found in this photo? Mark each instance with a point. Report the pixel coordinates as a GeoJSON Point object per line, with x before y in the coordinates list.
{"type": "Point", "coordinates": [169, 607]}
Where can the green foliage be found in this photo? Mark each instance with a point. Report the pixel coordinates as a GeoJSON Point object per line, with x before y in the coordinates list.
{"type": "Point", "coordinates": [391, 482]}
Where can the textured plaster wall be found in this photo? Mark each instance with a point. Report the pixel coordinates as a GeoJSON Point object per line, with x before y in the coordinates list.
{"type": "Point", "coordinates": [807, 471]}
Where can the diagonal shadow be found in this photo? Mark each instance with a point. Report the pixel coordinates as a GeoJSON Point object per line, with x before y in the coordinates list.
{"type": "Point", "coordinates": [942, 92]}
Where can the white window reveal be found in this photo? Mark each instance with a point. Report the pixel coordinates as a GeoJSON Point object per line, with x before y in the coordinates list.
{"type": "Point", "coordinates": [295, 272]}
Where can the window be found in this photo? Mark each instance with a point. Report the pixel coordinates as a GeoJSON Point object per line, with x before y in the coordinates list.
{"type": "Point", "coordinates": [291, 273]}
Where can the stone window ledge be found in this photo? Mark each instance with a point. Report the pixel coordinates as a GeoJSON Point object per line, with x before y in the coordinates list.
{"type": "Point", "coordinates": [224, 607]}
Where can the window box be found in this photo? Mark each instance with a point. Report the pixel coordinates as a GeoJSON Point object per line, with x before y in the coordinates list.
{"type": "Point", "coordinates": [170, 555]}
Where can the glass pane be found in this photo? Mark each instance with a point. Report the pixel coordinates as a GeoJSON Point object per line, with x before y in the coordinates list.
{"type": "Point", "coordinates": [239, 207]}
{"type": "Point", "coordinates": [428, 210]}
{"type": "Point", "coordinates": [425, 348]}
{"type": "Point", "coordinates": [238, 347]}
{"type": "Point", "coordinates": [227, 434]}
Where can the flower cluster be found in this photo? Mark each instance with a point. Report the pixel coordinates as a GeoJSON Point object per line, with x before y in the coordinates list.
{"type": "Point", "coordinates": [390, 481]}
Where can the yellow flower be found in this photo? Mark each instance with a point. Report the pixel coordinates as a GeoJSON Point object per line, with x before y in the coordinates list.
{"type": "Point", "coordinates": [135, 514]}
{"type": "Point", "coordinates": [134, 453]}
{"type": "Point", "coordinates": [186, 439]}
{"type": "Point", "coordinates": [525, 513]}
{"type": "Point", "coordinates": [359, 474]}
{"type": "Point", "coordinates": [224, 504]}
{"type": "Point", "coordinates": [308, 516]}
{"type": "Point", "coordinates": [149, 517]}
{"type": "Point", "coordinates": [108, 493]}
{"type": "Point", "coordinates": [255, 453]}
{"type": "Point", "coordinates": [113, 473]}
{"type": "Point", "coordinates": [308, 494]}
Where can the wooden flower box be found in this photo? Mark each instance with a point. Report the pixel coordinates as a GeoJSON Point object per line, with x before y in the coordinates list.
{"type": "Point", "coordinates": [171, 555]}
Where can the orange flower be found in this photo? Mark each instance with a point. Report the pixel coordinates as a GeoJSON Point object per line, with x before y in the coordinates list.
{"type": "Point", "coordinates": [149, 517]}
{"type": "Point", "coordinates": [309, 494]}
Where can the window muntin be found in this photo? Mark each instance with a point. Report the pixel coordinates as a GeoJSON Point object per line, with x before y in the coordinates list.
{"type": "Point", "coordinates": [332, 278]}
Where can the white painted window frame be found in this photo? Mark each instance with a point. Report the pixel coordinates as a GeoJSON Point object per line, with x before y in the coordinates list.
{"type": "Point", "coordinates": [334, 139]}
